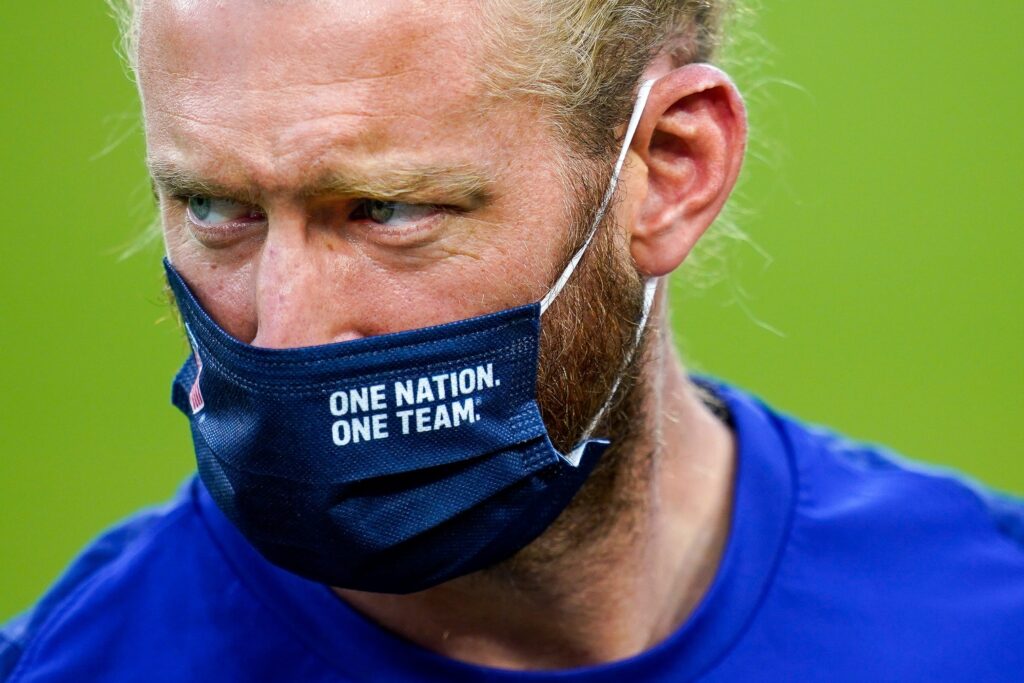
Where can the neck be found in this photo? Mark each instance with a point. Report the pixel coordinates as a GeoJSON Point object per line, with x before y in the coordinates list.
{"type": "Point", "coordinates": [618, 593]}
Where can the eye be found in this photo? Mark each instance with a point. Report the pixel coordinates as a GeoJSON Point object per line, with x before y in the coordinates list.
{"type": "Point", "coordinates": [213, 211]}
{"type": "Point", "coordinates": [393, 214]}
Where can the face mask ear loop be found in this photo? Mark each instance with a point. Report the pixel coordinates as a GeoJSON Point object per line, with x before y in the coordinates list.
{"type": "Point", "coordinates": [634, 121]}
{"type": "Point", "coordinates": [574, 456]}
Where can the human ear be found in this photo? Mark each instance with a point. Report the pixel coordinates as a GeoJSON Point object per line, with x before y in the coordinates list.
{"type": "Point", "coordinates": [691, 139]}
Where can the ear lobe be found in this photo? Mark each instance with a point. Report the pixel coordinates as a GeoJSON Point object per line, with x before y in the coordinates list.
{"type": "Point", "coordinates": [691, 138]}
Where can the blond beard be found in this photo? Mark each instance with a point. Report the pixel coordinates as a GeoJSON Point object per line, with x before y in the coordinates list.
{"type": "Point", "coordinates": [588, 341]}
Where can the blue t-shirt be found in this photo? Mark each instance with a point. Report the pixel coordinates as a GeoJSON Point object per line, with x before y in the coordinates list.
{"type": "Point", "coordinates": [843, 563]}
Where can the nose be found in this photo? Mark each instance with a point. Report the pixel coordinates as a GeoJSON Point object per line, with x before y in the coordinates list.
{"type": "Point", "coordinates": [304, 292]}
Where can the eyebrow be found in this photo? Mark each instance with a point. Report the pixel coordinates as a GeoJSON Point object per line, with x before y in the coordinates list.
{"type": "Point", "coordinates": [459, 185]}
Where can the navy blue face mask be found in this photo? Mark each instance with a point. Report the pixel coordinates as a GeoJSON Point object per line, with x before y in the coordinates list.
{"type": "Point", "coordinates": [390, 463]}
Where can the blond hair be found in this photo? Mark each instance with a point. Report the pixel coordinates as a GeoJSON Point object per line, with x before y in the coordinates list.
{"type": "Point", "coordinates": [581, 58]}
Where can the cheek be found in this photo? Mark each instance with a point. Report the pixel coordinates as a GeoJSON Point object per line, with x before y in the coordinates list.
{"type": "Point", "coordinates": [501, 266]}
{"type": "Point", "coordinates": [526, 247]}
{"type": "Point", "coordinates": [225, 289]}
{"type": "Point", "coordinates": [460, 277]}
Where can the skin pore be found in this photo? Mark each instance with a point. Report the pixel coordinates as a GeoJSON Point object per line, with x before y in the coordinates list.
{"type": "Point", "coordinates": [331, 170]}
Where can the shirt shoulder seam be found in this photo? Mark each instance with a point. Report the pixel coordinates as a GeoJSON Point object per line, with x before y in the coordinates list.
{"type": "Point", "coordinates": [1004, 511]}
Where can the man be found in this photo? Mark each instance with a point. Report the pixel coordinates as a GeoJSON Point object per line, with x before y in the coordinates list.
{"type": "Point", "coordinates": [441, 428]}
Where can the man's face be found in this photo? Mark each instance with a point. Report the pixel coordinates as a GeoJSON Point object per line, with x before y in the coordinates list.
{"type": "Point", "coordinates": [296, 126]}
{"type": "Point", "coordinates": [348, 179]}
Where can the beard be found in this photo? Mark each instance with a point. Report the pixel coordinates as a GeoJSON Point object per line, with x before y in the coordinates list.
{"type": "Point", "coordinates": [588, 343]}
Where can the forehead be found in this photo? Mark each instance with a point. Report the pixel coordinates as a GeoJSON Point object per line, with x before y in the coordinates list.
{"type": "Point", "coordinates": [272, 87]}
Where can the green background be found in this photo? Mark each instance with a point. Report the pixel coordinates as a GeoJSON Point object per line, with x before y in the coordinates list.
{"type": "Point", "coordinates": [879, 292]}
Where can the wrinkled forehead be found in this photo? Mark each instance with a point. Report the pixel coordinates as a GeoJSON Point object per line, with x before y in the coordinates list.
{"type": "Point", "coordinates": [284, 76]}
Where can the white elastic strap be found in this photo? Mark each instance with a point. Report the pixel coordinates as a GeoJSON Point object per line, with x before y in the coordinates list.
{"type": "Point", "coordinates": [574, 456]}
{"type": "Point", "coordinates": [634, 121]}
